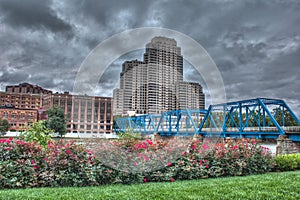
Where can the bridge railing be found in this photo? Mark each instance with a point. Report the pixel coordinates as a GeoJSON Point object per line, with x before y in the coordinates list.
{"type": "Point", "coordinates": [295, 129]}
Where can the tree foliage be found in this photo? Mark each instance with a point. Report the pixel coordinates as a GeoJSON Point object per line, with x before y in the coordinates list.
{"type": "Point", "coordinates": [37, 132]}
{"type": "Point", "coordinates": [56, 120]}
{"type": "Point", "coordinates": [288, 118]}
{"type": "Point", "coordinates": [4, 126]}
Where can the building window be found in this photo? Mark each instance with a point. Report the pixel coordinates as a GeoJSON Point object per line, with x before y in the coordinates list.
{"type": "Point", "coordinates": [22, 116]}
{"type": "Point", "coordinates": [5, 115]}
{"type": "Point", "coordinates": [14, 116]}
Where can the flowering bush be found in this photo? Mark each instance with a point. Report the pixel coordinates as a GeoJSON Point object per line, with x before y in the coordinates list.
{"type": "Point", "coordinates": [140, 156]}
{"type": "Point", "coordinates": [66, 163]}
{"type": "Point", "coordinates": [27, 164]}
{"type": "Point", "coordinates": [19, 163]}
{"type": "Point", "coordinates": [230, 158]}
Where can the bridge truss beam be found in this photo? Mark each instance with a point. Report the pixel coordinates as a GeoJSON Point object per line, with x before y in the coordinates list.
{"type": "Point", "coordinates": [259, 118]}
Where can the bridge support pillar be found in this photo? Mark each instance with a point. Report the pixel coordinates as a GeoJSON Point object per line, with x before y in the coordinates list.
{"type": "Point", "coordinates": [286, 146]}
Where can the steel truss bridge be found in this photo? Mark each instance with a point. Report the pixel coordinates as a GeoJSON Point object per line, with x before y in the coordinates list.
{"type": "Point", "coordinates": [253, 118]}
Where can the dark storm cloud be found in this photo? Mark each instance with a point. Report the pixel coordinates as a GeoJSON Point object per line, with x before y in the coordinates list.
{"type": "Point", "coordinates": [254, 43]}
{"type": "Point", "coordinates": [7, 76]}
{"type": "Point", "coordinates": [33, 14]}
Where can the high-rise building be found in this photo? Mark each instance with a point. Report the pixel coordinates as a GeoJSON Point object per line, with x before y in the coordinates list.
{"type": "Point", "coordinates": [156, 84]}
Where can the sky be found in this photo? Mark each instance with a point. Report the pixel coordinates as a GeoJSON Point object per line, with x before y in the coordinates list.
{"type": "Point", "coordinates": [254, 43]}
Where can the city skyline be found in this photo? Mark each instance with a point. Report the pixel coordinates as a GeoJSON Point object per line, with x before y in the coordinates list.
{"type": "Point", "coordinates": [255, 44]}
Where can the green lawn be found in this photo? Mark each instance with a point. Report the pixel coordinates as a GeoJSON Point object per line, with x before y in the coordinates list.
{"type": "Point", "coordinates": [285, 185]}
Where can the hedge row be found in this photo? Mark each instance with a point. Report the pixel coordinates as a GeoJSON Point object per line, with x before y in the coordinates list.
{"type": "Point", "coordinates": [287, 162]}
{"type": "Point", "coordinates": [27, 164]}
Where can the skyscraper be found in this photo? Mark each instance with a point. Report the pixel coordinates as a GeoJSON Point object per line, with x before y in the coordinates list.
{"type": "Point", "coordinates": [156, 84]}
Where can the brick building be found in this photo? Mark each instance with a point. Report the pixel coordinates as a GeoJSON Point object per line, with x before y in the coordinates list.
{"type": "Point", "coordinates": [26, 88]}
{"type": "Point", "coordinates": [85, 114]}
{"type": "Point", "coordinates": [25, 103]}
{"type": "Point", "coordinates": [19, 118]}
{"type": "Point", "coordinates": [24, 100]}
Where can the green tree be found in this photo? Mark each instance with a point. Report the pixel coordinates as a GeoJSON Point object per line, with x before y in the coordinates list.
{"type": "Point", "coordinates": [288, 118]}
{"type": "Point", "coordinates": [57, 120]}
{"type": "Point", "coordinates": [4, 126]}
{"type": "Point", "coordinates": [37, 132]}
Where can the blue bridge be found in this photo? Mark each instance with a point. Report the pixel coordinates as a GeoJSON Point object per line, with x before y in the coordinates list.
{"type": "Point", "coordinates": [259, 118]}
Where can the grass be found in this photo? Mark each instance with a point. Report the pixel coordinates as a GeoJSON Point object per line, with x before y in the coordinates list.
{"type": "Point", "coordinates": [284, 185]}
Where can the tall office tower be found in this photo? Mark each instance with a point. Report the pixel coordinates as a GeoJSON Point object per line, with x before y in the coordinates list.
{"type": "Point", "coordinates": [153, 85]}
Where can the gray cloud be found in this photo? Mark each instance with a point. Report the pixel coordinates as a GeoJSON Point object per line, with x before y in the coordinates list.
{"type": "Point", "coordinates": [33, 14]}
{"type": "Point", "coordinates": [255, 44]}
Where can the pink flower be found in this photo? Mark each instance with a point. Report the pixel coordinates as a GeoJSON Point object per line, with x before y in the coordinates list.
{"type": "Point", "coordinates": [205, 146]}
{"type": "Point", "coordinates": [146, 158]}
{"type": "Point", "coordinates": [135, 163]}
{"type": "Point", "coordinates": [145, 180]}
{"type": "Point", "coordinates": [172, 179]}
{"type": "Point", "coordinates": [169, 164]}
{"type": "Point", "coordinates": [50, 145]}
{"type": "Point", "coordinates": [235, 147]}
{"type": "Point", "coordinates": [8, 148]}
{"type": "Point", "coordinates": [141, 146]}
{"type": "Point", "coordinates": [10, 138]}
{"type": "Point", "coordinates": [206, 166]}
{"type": "Point", "coordinates": [32, 162]}
{"type": "Point", "coordinates": [89, 152]}
{"type": "Point", "coordinates": [193, 146]}
{"type": "Point", "coordinates": [200, 162]}
{"type": "Point", "coordinates": [35, 167]}
{"type": "Point", "coordinates": [46, 159]}
{"type": "Point", "coordinates": [68, 151]}
{"type": "Point", "coordinates": [149, 142]}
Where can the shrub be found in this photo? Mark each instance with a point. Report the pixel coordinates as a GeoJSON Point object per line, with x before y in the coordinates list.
{"type": "Point", "coordinates": [37, 132]}
{"type": "Point", "coordinates": [67, 163]}
{"type": "Point", "coordinates": [203, 160]}
{"type": "Point", "coordinates": [27, 164]}
{"type": "Point", "coordinates": [138, 156]}
{"type": "Point", "coordinates": [19, 163]}
{"type": "Point", "coordinates": [287, 162]}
